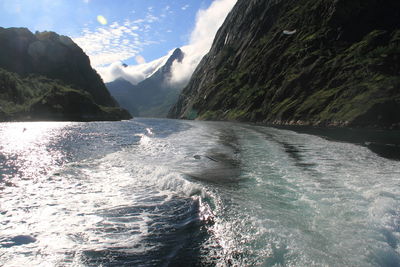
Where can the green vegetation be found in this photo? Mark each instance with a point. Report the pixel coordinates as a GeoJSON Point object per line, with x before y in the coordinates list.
{"type": "Point", "coordinates": [47, 76]}
{"type": "Point", "coordinates": [39, 98]}
{"type": "Point", "coordinates": [340, 68]}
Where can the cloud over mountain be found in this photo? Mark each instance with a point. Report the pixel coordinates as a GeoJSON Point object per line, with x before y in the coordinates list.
{"type": "Point", "coordinates": [133, 74]}
{"type": "Point", "coordinates": [207, 24]}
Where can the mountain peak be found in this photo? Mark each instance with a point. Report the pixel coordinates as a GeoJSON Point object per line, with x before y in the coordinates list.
{"type": "Point", "coordinates": [177, 55]}
{"type": "Point", "coordinates": [151, 97]}
{"type": "Point", "coordinates": [49, 77]}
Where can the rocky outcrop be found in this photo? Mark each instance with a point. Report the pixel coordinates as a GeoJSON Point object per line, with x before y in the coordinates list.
{"type": "Point", "coordinates": [312, 62]}
{"type": "Point", "coordinates": [154, 96]}
{"type": "Point", "coordinates": [35, 65]}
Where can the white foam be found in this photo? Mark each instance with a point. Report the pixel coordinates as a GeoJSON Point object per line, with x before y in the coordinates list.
{"type": "Point", "coordinates": [323, 204]}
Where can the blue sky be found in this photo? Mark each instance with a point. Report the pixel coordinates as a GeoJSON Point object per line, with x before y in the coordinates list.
{"type": "Point", "coordinates": [162, 24]}
{"type": "Point", "coordinates": [137, 32]}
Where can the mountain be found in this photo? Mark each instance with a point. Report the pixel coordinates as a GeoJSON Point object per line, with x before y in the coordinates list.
{"type": "Point", "coordinates": [47, 76]}
{"type": "Point", "coordinates": [312, 62]}
{"type": "Point", "coordinates": [154, 96]}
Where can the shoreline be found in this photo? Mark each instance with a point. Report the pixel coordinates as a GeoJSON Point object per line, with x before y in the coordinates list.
{"type": "Point", "coordinates": [384, 142]}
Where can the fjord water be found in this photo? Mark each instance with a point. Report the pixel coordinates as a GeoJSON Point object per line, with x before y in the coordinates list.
{"type": "Point", "coordinates": [150, 192]}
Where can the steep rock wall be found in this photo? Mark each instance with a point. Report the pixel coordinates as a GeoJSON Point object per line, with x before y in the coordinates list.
{"type": "Point", "coordinates": [318, 62]}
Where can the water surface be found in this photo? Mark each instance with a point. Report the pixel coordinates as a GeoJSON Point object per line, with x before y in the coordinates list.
{"type": "Point", "coordinates": [150, 192]}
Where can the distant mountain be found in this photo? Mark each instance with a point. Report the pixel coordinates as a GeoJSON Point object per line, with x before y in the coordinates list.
{"type": "Point", "coordinates": [47, 76]}
{"type": "Point", "coordinates": [313, 62]}
{"type": "Point", "coordinates": [152, 97]}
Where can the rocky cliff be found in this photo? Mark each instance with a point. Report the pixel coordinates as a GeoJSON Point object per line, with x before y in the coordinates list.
{"type": "Point", "coordinates": [154, 96]}
{"type": "Point", "coordinates": [35, 67]}
{"type": "Point", "coordinates": [315, 62]}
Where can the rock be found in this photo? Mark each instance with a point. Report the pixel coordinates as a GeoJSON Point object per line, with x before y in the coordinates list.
{"type": "Point", "coordinates": [32, 65]}
{"type": "Point", "coordinates": [339, 68]}
{"type": "Point", "coordinates": [154, 96]}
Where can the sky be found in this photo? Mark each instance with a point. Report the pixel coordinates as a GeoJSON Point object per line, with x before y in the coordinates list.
{"type": "Point", "coordinates": [140, 33]}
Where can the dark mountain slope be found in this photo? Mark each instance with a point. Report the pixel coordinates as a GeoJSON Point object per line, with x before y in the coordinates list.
{"type": "Point", "coordinates": [40, 98]}
{"type": "Point", "coordinates": [154, 96]}
{"type": "Point", "coordinates": [319, 62]}
{"type": "Point", "coordinates": [121, 90]}
{"type": "Point", "coordinates": [37, 69]}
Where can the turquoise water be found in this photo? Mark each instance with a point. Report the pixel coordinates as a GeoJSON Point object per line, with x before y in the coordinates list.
{"type": "Point", "coordinates": [150, 192]}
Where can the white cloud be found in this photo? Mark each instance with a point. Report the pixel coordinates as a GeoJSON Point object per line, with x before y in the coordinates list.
{"type": "Point", "coordinates": [114, 42]}
{"type": "Point", "coordinates": [133, 74]}
{"type": "Point", "coordinates": [97, 44]}
{"type": "Point", "coordinates": [151, 18]}
{"type": "Point", "coordinates": [140, 60]}
{"type": "Point", "coordinates": [208, 22]}
{"type": "Point", "coordinates": [110, 44]}
{"type": "Point", "coordinates": [139, 21]}
{"type": "Point", "coordinates": [185, 7]}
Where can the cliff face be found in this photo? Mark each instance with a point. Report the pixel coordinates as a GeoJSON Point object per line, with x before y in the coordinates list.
{"type": "Point", "coordinates": [318, 62]}
{"type": "Point", "coordinates": [34, 66]}
{"type": "Point", "coordinates": [154, 96]}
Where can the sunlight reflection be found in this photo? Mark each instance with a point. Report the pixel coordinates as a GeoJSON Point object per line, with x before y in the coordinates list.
{"type": "Point", "coordinates": [102, 20]}
{"type": "Point", "coordinates": [24, 148]}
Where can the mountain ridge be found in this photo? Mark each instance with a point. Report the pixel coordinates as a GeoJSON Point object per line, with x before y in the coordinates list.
{"type": "Point", "coordinates": [336, 67]}
{"type": "Point", "coordinates": [153, 96]}
{"type": "Point", "coordinates": [41, 72]}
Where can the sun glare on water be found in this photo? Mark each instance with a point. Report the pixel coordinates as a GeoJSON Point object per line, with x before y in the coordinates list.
{"type": "Point", "coordinates": [24, 148]}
